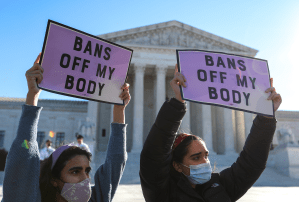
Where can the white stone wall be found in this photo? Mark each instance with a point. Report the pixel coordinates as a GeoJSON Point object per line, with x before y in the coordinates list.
{"type": "Point", "coordinates": [57, 116]}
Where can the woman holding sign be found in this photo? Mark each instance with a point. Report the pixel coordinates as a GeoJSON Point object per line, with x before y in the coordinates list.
{"type": "Point", "coordinates": [64, 176]}
{"type": "Point", "coordinates": [176, 168]}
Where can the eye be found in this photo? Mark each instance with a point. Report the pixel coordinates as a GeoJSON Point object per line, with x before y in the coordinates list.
{"type": "Point", "coordinates": [75, 172]}
{"type": "Point", "coordinates": [88, 171]}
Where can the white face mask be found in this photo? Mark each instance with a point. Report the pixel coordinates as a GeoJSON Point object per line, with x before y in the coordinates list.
{"type": "Point", "coordinates": [77, 192]}
{"type": "Point", "coordinates": [199, 174]}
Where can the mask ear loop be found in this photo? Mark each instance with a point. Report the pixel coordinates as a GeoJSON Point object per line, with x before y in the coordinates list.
{"type": "Point", "coordinates": [186, 167]}
{"type": "Point", "coordinates": [56, 187]}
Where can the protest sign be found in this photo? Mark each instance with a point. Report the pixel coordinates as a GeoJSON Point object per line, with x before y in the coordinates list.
{"type": "Point", "coordinates": [81, 65]}
{"type": "Point", "coordinates": [226, 80]}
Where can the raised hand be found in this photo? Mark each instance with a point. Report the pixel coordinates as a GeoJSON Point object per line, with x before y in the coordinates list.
{"type": "Point", "coordinates": [178, 80]}
{"type": "Point", "coordinates": [276, 98]}
{"type": "Point", "coordinates": [125, 95]}
{"type": "Point", "coordinates": [34, 76]}
{"type": "Point", "coordinates": [119, 110]}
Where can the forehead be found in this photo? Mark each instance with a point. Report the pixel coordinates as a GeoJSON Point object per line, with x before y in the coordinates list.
{"type": "Point", "coordinates": [79, 160]}
{"type": "Point", "coordinates": [197, 146]}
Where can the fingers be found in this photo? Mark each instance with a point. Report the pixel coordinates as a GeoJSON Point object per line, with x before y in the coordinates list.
{"type": "Point", "coordinates": [176, 69]}
{"type": "Point", "coordinates": [37, 59]}
{"type": "Point", "coordinates": [37, 70]}
{"type": "Point", "coordinates": [184, 78]}
{"type": "Point", "coordinates": [180, 79]}
{"type": "Point", "coordinates": [125, 86]}
{"type": "Point", "coordinates": [125, 94]}
{"type": "Point", "coordinates": [271, 89]}
{"type": "Point", "coordinates": [36, 66]}
{"type": "Point", "coordinates": [277, 97]}
{"type": "Point", "coordinates": [37, 77]}
{"type": "Point", "coordinates": [273, 93]}
{"type": "Point", "coordinates": [271, 82]}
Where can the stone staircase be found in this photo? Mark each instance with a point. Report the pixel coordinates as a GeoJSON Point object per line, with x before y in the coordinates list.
{"type": "Point", "coordinates": [131, 172]}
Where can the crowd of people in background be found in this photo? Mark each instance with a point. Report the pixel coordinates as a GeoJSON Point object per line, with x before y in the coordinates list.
{"type": "Point", "coordinates": [48, 149]}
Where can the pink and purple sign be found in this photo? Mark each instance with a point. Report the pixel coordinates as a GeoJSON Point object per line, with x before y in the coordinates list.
{"type": "Point", "coordinates": [81, 65]}
{"type": "Point", "coordinates": [226, 80]}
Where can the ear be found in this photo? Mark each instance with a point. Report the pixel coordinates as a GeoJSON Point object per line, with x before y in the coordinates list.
{"type": "Point", "coordinates": [54, 183]}
{"type": "Point", "coordinates": [177, 166]}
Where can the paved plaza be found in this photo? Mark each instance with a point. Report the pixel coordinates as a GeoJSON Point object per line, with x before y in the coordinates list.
{"type": "Point", "coordinates": [133, 193]}
{"type": "Point", "coordinates": [128, 193]}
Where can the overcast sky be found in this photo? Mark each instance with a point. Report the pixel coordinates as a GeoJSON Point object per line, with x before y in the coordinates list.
{"type": "Point", "coordinates": [270, 26]}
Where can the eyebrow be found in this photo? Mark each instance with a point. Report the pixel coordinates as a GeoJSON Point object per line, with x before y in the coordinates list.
{"type": "Point", "coordinates": [79, 168]}
{"type": "Point", "coordinates": [207, 152]}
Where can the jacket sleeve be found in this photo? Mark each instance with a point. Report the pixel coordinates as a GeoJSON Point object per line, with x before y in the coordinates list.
{"type": "Point", "coordinates": [21, 178]}
{"type": "Point", "coordinates": [252, 160]}
{"type": "Point", "coordinates": [156, 153]}
{"type": "Point", "coordinates": [108, 175]}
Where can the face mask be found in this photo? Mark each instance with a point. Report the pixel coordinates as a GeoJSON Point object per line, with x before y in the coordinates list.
{"type": "Point", "coordinates": [77, 192]}
{"type": "Point", "coordinates": [199, 174]}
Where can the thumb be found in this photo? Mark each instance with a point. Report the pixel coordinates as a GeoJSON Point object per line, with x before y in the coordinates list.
{"type": "Point", "coordinates": [176, 69]}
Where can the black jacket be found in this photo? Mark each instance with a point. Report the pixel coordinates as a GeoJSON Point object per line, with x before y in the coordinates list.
{"type": "Point", "coordinates": [161, 183]}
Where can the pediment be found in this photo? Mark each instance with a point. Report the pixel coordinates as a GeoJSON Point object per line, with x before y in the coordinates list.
{"type": "Point", "coordinates": [174, 34]}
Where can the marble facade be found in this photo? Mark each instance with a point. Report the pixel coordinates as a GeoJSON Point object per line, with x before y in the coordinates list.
{"type": "Point", "coordinates": [151, 70]}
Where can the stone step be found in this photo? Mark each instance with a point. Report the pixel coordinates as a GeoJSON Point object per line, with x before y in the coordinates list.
{"type": "Point", "coordinates": [270, 176]}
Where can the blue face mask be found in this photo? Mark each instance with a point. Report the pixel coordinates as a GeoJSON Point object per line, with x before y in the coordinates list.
{"type": "Point", "coordinates": [199, 174]}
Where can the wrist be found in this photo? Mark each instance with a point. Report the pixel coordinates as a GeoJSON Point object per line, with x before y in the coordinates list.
{"type": "Point", "coordinates": [118, 114]}
{"type": "Point", "coordinates": [179, 98]}
{"type": "Point", "coordinates": [119, 108]}
{"type": "Point", "coordinates": [32, 98]}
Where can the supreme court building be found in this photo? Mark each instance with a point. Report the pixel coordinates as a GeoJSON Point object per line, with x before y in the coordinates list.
{"type": "Point", "coordinates": [152, 68]}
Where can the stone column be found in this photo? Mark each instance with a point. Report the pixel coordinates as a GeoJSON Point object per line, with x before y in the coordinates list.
{"type": "Point", "coordinates": [138, 108]}
{"type": "Point", "coordinates": [206, 119]}
{"type": "Point", "coordinates": [228, 132]}
{"type": "Point", "coordinates": [160, 86]}
{"type": "Point", "coordinates": [92, 114]}
{"type": "Point", "coordinates": [240, 130]}
{"type": "Point", "coordinates": [185, 126]}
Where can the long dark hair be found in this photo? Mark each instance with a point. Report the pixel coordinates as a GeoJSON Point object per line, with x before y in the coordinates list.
{"type": "Point", "coordinates": [181, 150]}
{"type": "Point", "coordinates": [48, 191]}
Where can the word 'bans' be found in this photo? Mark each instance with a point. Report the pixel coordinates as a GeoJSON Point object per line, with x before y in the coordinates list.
{"type": "Point", "coordinates": [230, 63]}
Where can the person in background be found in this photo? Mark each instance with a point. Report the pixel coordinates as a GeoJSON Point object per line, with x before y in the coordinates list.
{"type": "Point", "coordinates": [81, 144]}
{"type": "Point", "coordinates": [47, 151]}
{"type": "Point", "coordinates": [3, 154]}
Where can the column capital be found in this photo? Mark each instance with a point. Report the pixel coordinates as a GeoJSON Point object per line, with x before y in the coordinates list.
{"type": "Point", "coordinates": [139, 67]}
{"type": "Point", "coordinates": [161, 69]}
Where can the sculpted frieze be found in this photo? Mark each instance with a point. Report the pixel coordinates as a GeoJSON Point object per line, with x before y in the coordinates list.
{"type": "Point", "coordinates": [173, 37]}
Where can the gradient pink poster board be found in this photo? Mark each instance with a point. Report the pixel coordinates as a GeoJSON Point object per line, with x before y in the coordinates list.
{"type": "Point", "coordinates": [226, 80]}
{"type": "Point", "coordinates": [81, 65]}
